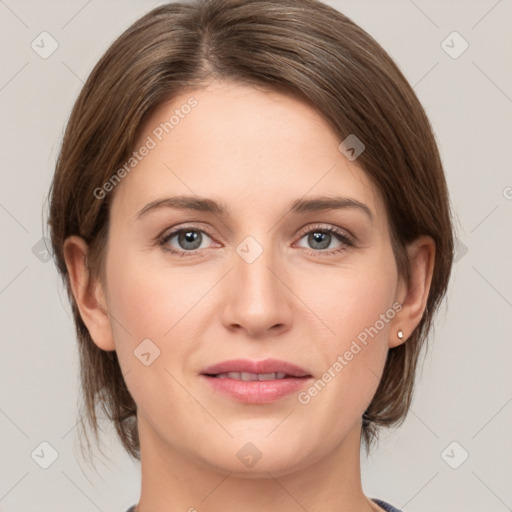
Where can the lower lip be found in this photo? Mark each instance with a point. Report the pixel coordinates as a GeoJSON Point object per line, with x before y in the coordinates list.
{"type": "Point", "coordinates": [256, 391]}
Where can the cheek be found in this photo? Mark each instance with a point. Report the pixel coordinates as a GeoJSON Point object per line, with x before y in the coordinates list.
{"type": "Point", "coordinates": [147, 302]}
{"type": "Point", "coordinates": [155, 302]}
{"type": "Point", "coordinates": [357, 306]}
{"type": "Point", "coordinates": [352, 299]}
{"type": "Point", "coordinates": [150, 299]}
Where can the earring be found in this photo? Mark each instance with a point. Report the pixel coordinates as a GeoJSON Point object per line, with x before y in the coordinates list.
{"type": "Point", "coordinates": [400, 334]}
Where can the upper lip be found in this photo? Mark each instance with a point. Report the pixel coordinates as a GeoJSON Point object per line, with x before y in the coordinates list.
{"type": "Point", "coordinates": [249, 366]}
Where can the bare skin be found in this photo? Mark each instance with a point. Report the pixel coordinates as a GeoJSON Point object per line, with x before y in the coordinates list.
{"type": "Point", "coordinates": [255, 151]}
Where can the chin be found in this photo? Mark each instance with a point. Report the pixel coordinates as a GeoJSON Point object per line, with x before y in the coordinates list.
{"type": "Point", "coordinates": [256, 460]}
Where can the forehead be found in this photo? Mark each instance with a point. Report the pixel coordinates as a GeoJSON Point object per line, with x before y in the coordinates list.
{"type": "Point", "coordinates": [244, 146]}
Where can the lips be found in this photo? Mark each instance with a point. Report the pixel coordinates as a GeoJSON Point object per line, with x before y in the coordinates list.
{"type": "Point", "coordinates": [256, 382]}
{"type": "Point", "coordinates": [247, 377]}
{"type": "Point", "coordinates": [265, 367]}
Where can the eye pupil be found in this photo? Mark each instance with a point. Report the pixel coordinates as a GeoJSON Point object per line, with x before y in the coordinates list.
{"type": "Point", "coordinates": [317, 237]}
{"type": "Point", "coordinates": [189, 237]}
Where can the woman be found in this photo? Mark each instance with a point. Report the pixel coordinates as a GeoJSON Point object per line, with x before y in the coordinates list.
{"type": "Point", "coordinates": [251, 217]}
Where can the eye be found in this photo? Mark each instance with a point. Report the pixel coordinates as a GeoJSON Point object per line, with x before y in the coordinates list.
{"type": "Point", "coordinates": [189, 241]}
{"type": "Point", "coordinates": [321, 237]}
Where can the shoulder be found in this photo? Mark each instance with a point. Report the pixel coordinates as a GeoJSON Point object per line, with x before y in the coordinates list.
{"type": "Point", "coordinates": [386, 506]}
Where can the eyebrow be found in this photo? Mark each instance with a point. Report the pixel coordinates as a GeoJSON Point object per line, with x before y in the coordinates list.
{"type": "Point", "coordinates": [202, 204]}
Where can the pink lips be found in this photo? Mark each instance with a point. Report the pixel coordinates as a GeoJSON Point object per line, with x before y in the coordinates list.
{"type": "Point", "coordinates": [265, 366]}
{"type": "Point", "coordinates": [256, 391]}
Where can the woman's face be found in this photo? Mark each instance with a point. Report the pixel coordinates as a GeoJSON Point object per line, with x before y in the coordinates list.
{"type": "Point", "coordinates": [262, 280]}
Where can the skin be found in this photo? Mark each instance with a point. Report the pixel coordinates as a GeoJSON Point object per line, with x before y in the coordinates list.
{"type": "Point", "coordinates": [256, 151]}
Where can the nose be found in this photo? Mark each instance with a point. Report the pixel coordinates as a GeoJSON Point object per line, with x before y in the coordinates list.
{"type": "Point", "coordinates": [258, 297]}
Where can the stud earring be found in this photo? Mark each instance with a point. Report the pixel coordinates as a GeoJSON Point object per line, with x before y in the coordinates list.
{"type": "Point", "coordinates": [400, 334]}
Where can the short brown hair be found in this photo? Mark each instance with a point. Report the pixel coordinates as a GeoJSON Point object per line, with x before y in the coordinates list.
{"type": "Point", "coordinates": [304, 47]}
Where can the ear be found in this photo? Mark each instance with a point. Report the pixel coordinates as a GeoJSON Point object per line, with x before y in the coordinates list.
{"type": "Point", "coordinates": [88, 293]}
{"type": "Point", "coordinates": [413, 295]}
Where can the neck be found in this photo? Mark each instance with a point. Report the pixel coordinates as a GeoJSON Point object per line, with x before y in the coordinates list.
{"type": "Point", "coordinates": [175, 481]}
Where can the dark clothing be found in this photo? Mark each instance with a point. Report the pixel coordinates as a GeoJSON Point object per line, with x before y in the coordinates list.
{"type": "Point", "coordinates": [386, 506]}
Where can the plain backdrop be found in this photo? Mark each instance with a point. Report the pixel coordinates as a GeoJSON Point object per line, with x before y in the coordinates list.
{"type": "Point", "coordinates": [454, 451]}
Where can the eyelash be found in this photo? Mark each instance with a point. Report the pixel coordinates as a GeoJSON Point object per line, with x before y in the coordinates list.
{"type": "Point", "coordinates": [343, 237]}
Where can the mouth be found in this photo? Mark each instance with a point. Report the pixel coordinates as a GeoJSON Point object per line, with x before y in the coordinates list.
{"type": "Point", "coordinates": [247, 376]}
{"type": "Point", "coordinates": [256, 382]}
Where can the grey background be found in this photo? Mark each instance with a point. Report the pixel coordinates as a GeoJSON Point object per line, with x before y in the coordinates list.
{"type": "Point", "coordinates": [464, 391]}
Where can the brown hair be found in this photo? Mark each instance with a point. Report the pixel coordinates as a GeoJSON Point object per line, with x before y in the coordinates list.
{"type": "Point", "coordinates": [303, 46]}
